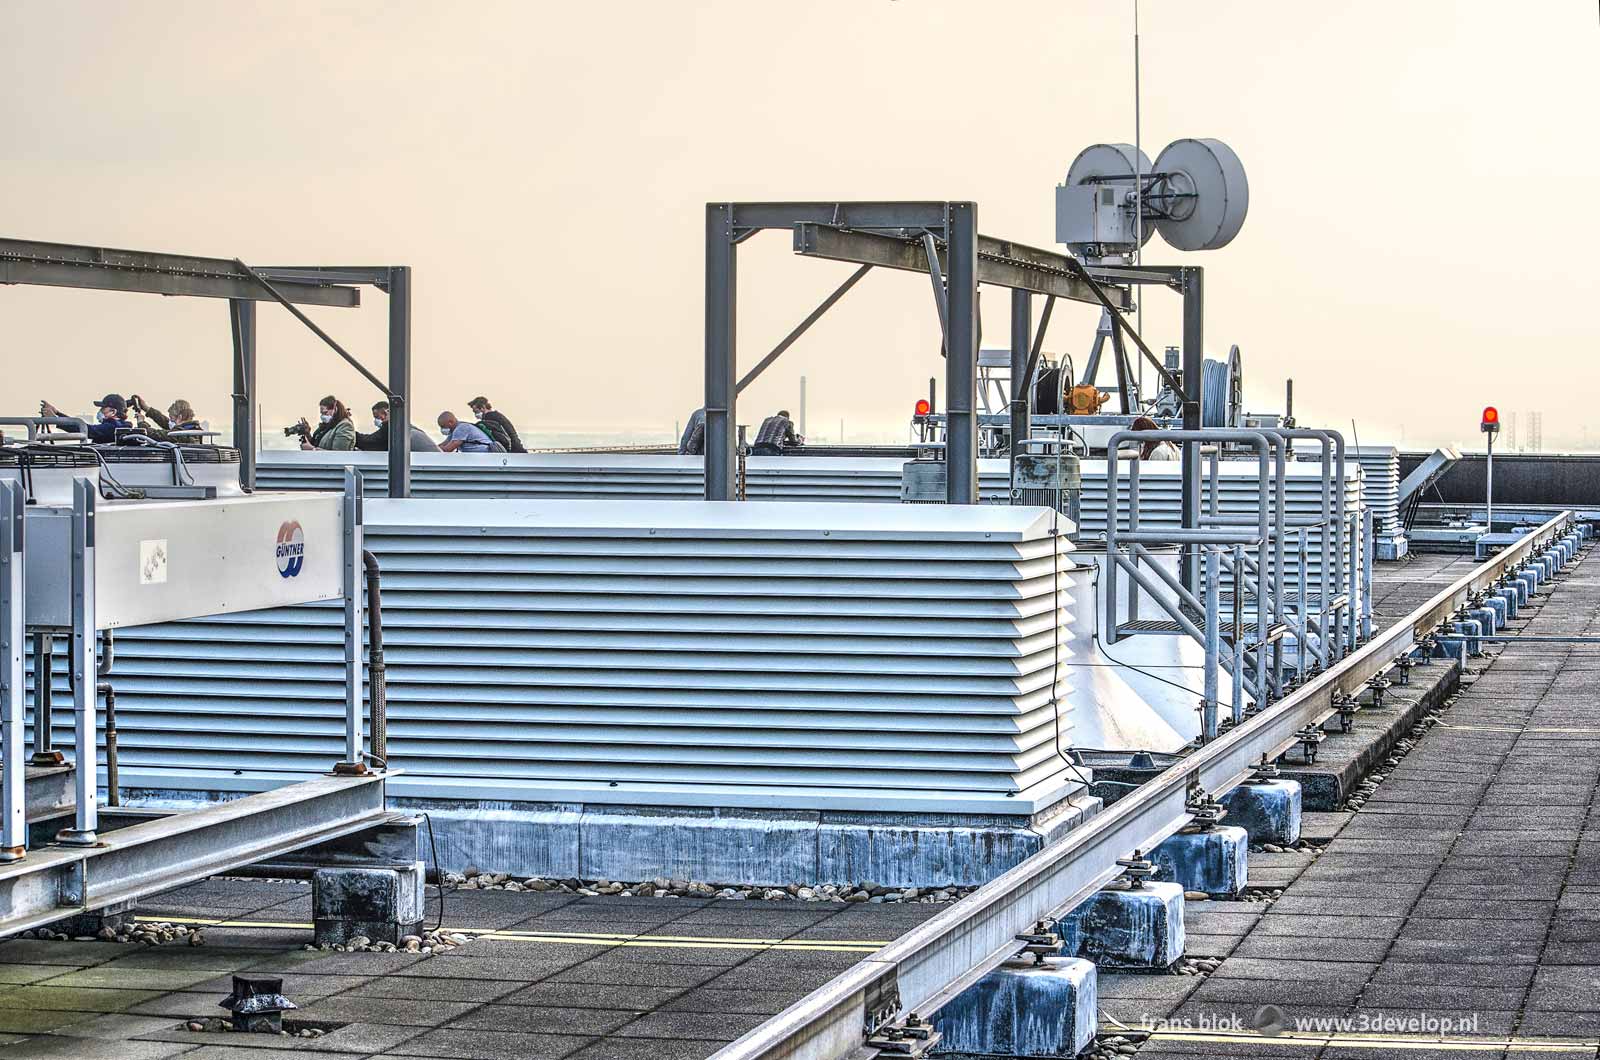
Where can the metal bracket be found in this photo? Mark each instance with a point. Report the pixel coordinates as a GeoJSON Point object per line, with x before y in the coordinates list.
{"type": "Point", "coordinates": [1266, 770]}
{"type": "Point", "coordinates": [1044, 941]}
{"type": "Point", "coordinates": [1378, 686]}
{"type": "Point", "coordinates": [1347, 706]}
{"type": "Point", "coordinates": [1206, 812]}
{"type": "Point", "coordinates": [914, 1038]}
{"type": "Point", "coordinates": [1309, 738]}
{"type": "Point", "coordinates": [1404, 665]}
{"type": "Point", "coordinates": [1137, 869]}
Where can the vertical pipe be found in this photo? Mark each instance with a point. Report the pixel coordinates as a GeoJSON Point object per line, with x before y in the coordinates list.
{"type": "Point", "coordinates": [1112, 608]}
{"type": "Point", "coordinates": [961, 364]}
{"type": "Point", "coordinates": [400, 381]}
{"type": "Point", "coordinates": [1021, 346]}
{"type": "Point", "coordinates": [1238, 634]}
{"type": "Point", "coordinates": [721, 351]}
{"type": "Point", "coordinates": [1213, 643]}
{"type": "Point", "coordinates": [802, 406]}
{"type": "Point", "coordinates": [13, 771]}
{"type": "Point", "coordinates": [84, 668]}
{"type": "Point", "coordinates": [242, 314]}
{"type": "Point", "coordinates": [1489, 485]}
{"type": "Point", "coordinates": [44, 666]}
{"type": "Point", "coordinates": [353, 615]}
{"type": "Point", "coordinates": [1193, 419]}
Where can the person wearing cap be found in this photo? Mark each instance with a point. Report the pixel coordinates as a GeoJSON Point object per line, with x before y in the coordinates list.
{"type": "Point", "coordinates": [112, 418]}
{"type": "Point", "coordinates": [776, 434]}
{"type": "Point", "coordinates": [496, 424]}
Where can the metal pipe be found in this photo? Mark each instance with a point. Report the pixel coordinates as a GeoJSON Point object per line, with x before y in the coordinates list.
{"type": "Point", "coordinates": [104, 687]}
{"type": "Point", "coordinates": [44, 665]}
{"type": "Point", "coordinates": [377, 688]}
{"type": "Point", "coordinates": [1021, 343]}
{"type": "Point", "coordinates": [1208, 706]}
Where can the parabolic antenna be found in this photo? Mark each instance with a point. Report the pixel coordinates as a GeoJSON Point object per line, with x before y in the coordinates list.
{"type": "Point", "coordinates": [1202, 195]}
{"type": "Point", "coordinates": [1111, 165]}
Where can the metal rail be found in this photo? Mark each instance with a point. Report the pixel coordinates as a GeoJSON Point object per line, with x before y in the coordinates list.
{"type": "Point", "coordinates": [936, 961]}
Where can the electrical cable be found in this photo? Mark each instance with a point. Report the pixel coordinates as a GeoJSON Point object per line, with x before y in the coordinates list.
{"type": "Point", "coordinates": [438, 870]}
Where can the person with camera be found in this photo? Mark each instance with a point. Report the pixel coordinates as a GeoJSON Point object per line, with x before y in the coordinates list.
{"type": "Point", "coordinates": [113, 416]}
{"type": "Point", "coordinates": [178, 417]}
{"type": "Point", "coordinates": [335, 431]}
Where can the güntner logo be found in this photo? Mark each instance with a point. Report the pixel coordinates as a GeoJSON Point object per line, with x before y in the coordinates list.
{"type": "Point", "coordinates": [291, 549]}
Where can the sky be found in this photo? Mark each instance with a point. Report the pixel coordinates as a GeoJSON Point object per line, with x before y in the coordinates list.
{"type": "Point", "coordinates": [1415, 248]}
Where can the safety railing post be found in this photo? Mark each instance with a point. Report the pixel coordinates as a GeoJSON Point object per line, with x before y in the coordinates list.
{"type": "Point", "coordinates": [13, 769]}
{"type": "Point", "coordinates": [1213, 643]}
{"type": "Point", "coordinates": [84, 668]}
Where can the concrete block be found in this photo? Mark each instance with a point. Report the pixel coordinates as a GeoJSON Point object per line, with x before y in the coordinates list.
{"type": "Point", "coordinates": [1486, 619]}
{"type": "Point", "coordinates": [1024, 1010]}
{"type": "Point", "coordinates": [718, 846]}
{"type": "Point", "coordinates": [523, 839]}
{"type": "Point", "coordinates": [1523, 587]}
{"type": "Point", "coordinates": [1497, 604]}
{"type": "Point", "coordinates": [384, 904]}
{"type": "Point", "coordinates": [1128, 928]}
{"type": "Point", "coordinates": [1268, 811]}
{"type": "Point", "coordinates": [933, 850]}
{"type": "Point", "coordinates": [1215, 862]}
{"type": "Point", "coordinates": [1509, 597]}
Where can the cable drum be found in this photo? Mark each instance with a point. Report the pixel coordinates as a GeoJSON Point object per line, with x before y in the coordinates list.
{"type": "Point", "coordinates": [1222, 391]}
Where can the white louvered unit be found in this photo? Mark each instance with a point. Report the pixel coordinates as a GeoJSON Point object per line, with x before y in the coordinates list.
{"type": "Point", "coordinates": [778, 656]}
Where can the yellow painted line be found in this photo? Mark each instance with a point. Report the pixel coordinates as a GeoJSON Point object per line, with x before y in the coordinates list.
{"type": "Point", "coordinates": [1313, 1039]}
{"type": "Point", "coordinates": [579, 938]}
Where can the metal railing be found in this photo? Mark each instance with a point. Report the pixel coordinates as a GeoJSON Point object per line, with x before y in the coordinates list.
{"type": "Point", "coordinates": [936, 961]}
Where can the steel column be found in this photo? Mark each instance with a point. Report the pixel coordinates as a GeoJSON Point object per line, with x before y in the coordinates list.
{"type": "Point", "coordinates": [13, 768]}
{"type": "Point", "coordinates": [721, 351]}
{"type": "Point", "coordinates": [1021, 393]}
{"type": "Point", "coordinates": [961, 364]}
{"type": "Point", "coordinates": [400, 381]}
{"type": "Point", "coordinates": [84, 667]}
{"type": "Point", "coordinates": [1193, 358]}
{"type": "Point", "coordinates": [354, 613]}
{"type": "Point", "coordinates": [242, 315]}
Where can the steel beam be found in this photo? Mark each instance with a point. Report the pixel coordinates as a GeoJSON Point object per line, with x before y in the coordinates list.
{"type": "Point", "coordinates": [961, 364]}
{"type": "Point", "coordinates": [100, 268]}
{"type": "Point", "coordinates": [142, 859]}
{"type": "Point", "coordinates": [242, 315]}
{"type": "Point", "coordinates": [1021, 392]}
{"type": "Point", "coordinates": [946, 954]}
{"type": "Point", "coordinates": [867, 248]}
{"type": "Point", "coordinates": [1193, 362]}
{"type": "Point", "coordinates": [84, 666]}
{"type": "Point", "coordinates": [399, 389]}
{"type": "Point", "coordinates": [904, 218]}
{"type": "Point", "coordinates": [722, 362]}
{"type": "Point", "coordinates": [801, 328]}
{"type": "Point", "coordinates": [13, 631]}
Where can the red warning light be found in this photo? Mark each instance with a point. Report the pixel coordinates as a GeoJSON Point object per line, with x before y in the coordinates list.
{"type": "Point", "coordinates": [1491, 420]}
{"type": "Point", "coordinates": [923, 407]}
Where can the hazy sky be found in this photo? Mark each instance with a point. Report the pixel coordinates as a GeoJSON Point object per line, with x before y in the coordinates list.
{"type": "Point", "coordinates": [1420, 175]}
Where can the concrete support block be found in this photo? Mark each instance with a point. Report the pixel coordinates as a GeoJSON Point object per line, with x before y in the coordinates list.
{"type": "Point", "coordinates": [1486, 619]}
{"type": "Point", "coordinates": [1215, 862]}
{"type": "Point", "coordinates": [118, 918]}
{"type": "Point", "coordinates": [1268, 811]}
{"type": "Point", "coordinates": [1509, 597]}
{"type": "Point", "coordinates": [1128, 928]}
{"type": "Point", "coordinates": [774, 848]}
{"type": "Point", "coordinates": [1497, 604]}
{"type": "Point", "coordinates": [1024, 1010]}
{"type": "Point", "coordinates": [1524, 584]}
{"type": "Point", "coordinates": [384, 904]}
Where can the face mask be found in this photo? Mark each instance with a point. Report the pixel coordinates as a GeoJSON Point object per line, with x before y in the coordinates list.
{"type": "Point", "coordinates": [377, 423]}
{"type": "Point", "coordinates": [327, 417]}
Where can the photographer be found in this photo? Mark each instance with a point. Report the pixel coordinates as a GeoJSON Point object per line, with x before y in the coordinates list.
{"type": "Point", "coordinates": [178, 417]}
{"type": "Point", "coordinates": [113, 416]}
{"type": "Point", "coordinates": [334, 432]}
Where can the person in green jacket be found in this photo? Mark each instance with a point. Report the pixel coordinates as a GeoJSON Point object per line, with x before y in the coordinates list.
{"type": "Point", "coordinates": [336, 431]}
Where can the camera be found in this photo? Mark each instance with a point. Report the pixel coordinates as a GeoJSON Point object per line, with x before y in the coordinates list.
{"type": "Point", "coordinates": [294, 429]}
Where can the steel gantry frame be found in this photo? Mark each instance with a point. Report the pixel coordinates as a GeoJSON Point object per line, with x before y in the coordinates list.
{"type": "Point", "coordinates": [104, 269]}
{"type": "Point", "coordinates": [940, 240]}
{"type": "Point", "coordinates": [935, 961]}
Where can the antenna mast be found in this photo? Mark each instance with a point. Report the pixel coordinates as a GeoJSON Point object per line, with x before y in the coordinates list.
{"type": "Point", "coordinates": [1138, 191]}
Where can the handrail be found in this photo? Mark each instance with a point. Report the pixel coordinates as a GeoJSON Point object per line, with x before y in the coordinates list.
{"type": "Point", "coordinates": [935, 961]}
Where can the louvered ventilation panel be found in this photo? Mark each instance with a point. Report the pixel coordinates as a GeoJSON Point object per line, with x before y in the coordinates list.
{"type": "Point", "coordinates": [772, 655]}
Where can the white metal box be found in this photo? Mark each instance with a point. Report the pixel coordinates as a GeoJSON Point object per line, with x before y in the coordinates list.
{"type": "Point", "coordinates": [1093, 213]}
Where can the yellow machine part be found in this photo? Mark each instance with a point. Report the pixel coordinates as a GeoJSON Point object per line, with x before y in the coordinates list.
{"type": "Point", "coordinates": [1085, 400]}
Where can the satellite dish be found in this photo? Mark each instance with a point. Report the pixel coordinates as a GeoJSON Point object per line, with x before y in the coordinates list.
{"type": "Point", "coordinates": [1201, 196]}
{"type": "Point", "coordinates": [1111, 165]}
